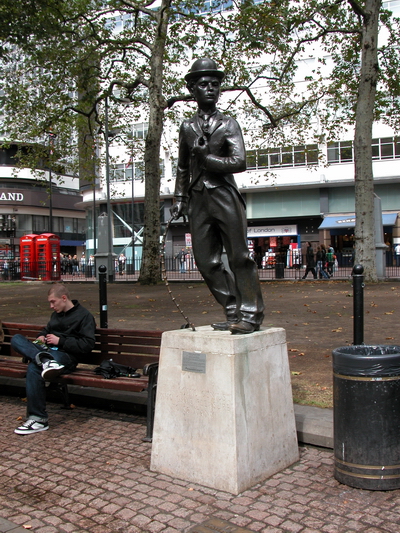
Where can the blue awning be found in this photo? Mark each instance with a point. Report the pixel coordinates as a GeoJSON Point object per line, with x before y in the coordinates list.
{"type": "Point", "coordinates": [349, 221]}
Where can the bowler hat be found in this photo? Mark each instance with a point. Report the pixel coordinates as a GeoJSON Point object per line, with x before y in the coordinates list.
{"type": "Point", "coordinates": [204, 67]}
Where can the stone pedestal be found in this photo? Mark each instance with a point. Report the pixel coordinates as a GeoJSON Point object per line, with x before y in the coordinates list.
{"type": "Point", "coordinates": [224, 411]}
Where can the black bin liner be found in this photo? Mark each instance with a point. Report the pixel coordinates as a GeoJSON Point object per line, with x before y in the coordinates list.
{"type": "Point", "coordinates": [366, 412]}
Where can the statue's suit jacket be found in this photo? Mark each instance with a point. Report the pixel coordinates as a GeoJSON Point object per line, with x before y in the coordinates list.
{"type": "Point", "coordinates": [227, 155]}
{"type": "Point", "coordinates": [209, 184]}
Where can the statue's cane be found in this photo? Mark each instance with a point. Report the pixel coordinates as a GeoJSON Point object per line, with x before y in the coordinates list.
{"type": "Point", "coordinates": [165, 278]}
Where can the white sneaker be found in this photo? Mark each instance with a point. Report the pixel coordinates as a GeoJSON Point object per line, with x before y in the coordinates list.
{"type": "Point", "coordinates": [31, 426]}
{"type": "Point", "coordinates": [52, 369]}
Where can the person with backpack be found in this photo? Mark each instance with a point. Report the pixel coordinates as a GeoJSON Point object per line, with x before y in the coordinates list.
{"type": "Point", "coordinates": [330, 260]}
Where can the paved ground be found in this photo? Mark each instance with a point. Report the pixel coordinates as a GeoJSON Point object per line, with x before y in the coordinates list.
{"type": "Point", "coordinates": [90, 473]}
{"type": "Point", "coordinates": [317, 317]}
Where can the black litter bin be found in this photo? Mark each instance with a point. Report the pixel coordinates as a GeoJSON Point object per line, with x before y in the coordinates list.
{"type": "Point", "coordinates": [280, 270]}
{"type": "Point", "coordinates": [366, 416]}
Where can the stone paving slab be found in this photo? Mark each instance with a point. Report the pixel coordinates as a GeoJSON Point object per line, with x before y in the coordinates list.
{"type": "Point", "coordinates": [90, 473]}
{"type": "Point", "coordinates": [313, 424]}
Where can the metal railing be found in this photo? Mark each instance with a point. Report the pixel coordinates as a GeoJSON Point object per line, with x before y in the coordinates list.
{"type": "Point", "coordinates": [284, 267]}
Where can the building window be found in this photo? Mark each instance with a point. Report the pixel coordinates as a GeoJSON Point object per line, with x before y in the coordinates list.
{"type": "Point", "coordinates": [386, 148]}
{"type": "Point", "coordinates": [292, 156]}
{"type": "Point", "coordinates": [140, 130]}
{"type": "Point", "coordinates": [340, 152]}
{"type": "Point", "coordinates": [383, 148]}
{"type": "Point", "coordinates": [123, 172]}
{"type": "Point", "coordinates": [393, 6]}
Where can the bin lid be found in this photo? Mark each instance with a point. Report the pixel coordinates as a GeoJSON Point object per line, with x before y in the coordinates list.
{"type": "Point", "coordinates": [367, 360]}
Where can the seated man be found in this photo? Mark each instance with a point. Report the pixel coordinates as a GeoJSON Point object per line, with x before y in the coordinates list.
{"type": "Point", "coordinates": [69, 333]}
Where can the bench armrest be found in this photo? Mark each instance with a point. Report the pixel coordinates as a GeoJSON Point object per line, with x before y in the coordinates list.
{"type": "Point", "coordinates": [149, 367]}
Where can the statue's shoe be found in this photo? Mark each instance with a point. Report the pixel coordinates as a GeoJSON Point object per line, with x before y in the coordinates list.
{"type": "Point", "coordinates": [242, 327]}
{"type": "Point", "coordinates": [223, 326]}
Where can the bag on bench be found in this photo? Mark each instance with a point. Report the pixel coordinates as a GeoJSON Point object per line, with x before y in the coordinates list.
{"type": "Point", "coordinates": [108, 369]}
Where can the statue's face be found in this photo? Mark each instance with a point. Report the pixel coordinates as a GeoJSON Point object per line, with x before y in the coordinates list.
{"type": "Point", "coordinates": [206, 91]}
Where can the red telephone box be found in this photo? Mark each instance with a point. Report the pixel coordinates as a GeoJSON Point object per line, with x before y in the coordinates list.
{"type": "Point", "coordinates": [48, 257]}
{"type": "Point", "coordinates": [27, 246]}
{"type": "Point", "coordinates": [40, 257]}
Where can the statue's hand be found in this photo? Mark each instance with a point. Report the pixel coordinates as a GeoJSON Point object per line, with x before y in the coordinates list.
{"type": "Point", "coordinates": [179, 209]}
{"type": "Point", "coordinates": [200, 148]}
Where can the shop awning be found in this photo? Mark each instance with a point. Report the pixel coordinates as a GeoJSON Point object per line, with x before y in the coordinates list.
{"type": "Point", "coordinates": [349, 221]}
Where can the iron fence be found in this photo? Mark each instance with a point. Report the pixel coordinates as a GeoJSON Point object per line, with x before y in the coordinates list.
{"type": "Point", "coordinates": [285, 267]}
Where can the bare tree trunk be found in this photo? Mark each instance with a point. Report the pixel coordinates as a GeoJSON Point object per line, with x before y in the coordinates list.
{"type": "Point", "coordinates": [364, 186]}
{"type": "Point", "coordinates": [150, 269]}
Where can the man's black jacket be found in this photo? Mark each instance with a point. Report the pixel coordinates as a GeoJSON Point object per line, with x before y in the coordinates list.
{"type": "Point", "coordinates": [76, 329]}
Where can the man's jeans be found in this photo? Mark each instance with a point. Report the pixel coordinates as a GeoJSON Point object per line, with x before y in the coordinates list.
{"type": "Point", "coordinates": [35, 384]}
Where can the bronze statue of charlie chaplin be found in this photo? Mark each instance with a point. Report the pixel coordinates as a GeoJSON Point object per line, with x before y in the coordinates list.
{"type": "Point", "coordinates": [211, 150]}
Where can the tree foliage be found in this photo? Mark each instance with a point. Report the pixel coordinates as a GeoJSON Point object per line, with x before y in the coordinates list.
{"type": "Point", "coordinates": [66, 58]}
{"type": "Point", "coordinates": [63, 58]}
{"type": "Point", "coordinates": [349, 80]}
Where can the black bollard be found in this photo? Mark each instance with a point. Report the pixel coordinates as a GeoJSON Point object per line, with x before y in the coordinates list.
{"type": "Point", "coordinates": [103, 296]}
{"type": "Point", "coordinates": [358, 305]}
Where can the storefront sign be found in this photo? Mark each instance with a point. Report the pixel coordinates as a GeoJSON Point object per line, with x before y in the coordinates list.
{"type": "Point", "coordinates": [12, 196]}
{"type": "Point", "coordinates": [188, 240]}
{"type": "Point", "coordinates": [268, 231]}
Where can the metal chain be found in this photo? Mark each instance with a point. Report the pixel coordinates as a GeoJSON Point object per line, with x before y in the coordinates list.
{"type": "Point", "coordinates": [165, 278]}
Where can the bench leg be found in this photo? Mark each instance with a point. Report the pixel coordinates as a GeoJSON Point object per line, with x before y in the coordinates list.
{"type": "Point", "coordinates": [62, 388]}
{"type": "Point", "coordinates": [151, 403]}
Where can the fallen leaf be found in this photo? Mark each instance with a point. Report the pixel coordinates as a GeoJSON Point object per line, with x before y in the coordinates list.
{"type": "Point", "coordinates": [389, 338]}
{"type": "Point", "coordinates": [296, 373]}
{"type": "Point", "coordinates": [293, 350]}
{"type": "Point", "coordinates": [389, 313]}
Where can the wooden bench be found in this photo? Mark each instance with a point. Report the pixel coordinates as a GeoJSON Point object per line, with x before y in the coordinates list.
{"type": "Point", "coordinates": [134, 348]}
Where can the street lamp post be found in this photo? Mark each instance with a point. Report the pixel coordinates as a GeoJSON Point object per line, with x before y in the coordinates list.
{"type": "Point", "coordinates": [133, 217]}
{"type": "Point", "coordinates": [110, 237]}
{"type": "Point", "coordinates": [51, 144]}
{"type": "Point", "coordinates": [105, 237]}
